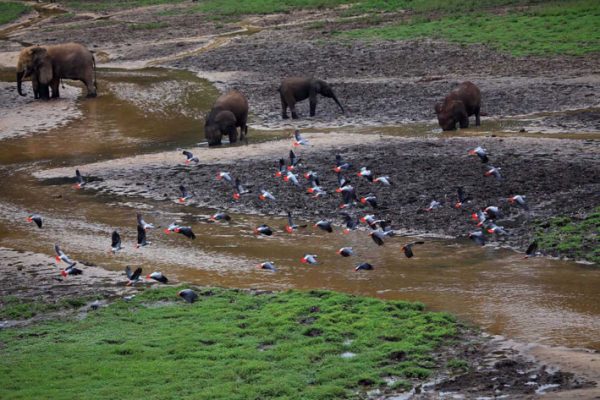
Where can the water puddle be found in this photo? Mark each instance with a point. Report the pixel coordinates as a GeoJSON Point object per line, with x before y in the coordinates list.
{"type": "Point", "coordinates": [550, 301]}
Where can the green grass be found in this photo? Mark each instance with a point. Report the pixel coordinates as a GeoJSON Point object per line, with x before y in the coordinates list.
{"type": "Point", "coordinates": [228, 345]}
{"type": "Point", "coordinates": [9, 11]}
{"type": "Point", "coordinates": [573, 238]}
{"type": "Point", "coordinates": [571, 27]}
{"type": "Point", "coordinates": [12, 307]}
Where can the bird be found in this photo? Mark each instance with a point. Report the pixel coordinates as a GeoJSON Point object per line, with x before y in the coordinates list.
{"type": "Point", "coordinates": [434, 205]}
{"type": "Point", "coordinates": [171, 228]}
{"type": "Point", "coordinates": [141, 237]}
{"type": "Point", "coordinates": [115, 244]}
{"type": "Point", "coordinates": [263, 229]}
{"type": "Point", "coordinates": [226, 176]}
{"type": "Point", "coordinates": [340, 165]}
{"type": "Point", "coordinates": [190, 157]}
{"type": "Point", "coordinates": [531, 250]}
{"type": "Point", "coordinates": [348, 197]}
{"type": "Point", "coordinates": [309, 259]}
{"type": "Point", "coordinates": [519, 200]}
{"type": "Point", "coordinates": [268, 265]}
{"type": "Point", "coordinates": [492, 212]}
{"type": "Point", "coordinates": [365, 173]}
{"type": "Point", "coordinates": [71, 270]}
{"type": "Point", "coordinates": [188, 295]}
{"type": "Point", "coordinates": [369, 199]}
{"type": "Point", "coordinates": [481, 153]}
{"type": "Point", "coordinates": [311, 175]}
{"type": "Point", "coordinates": [299, 140]}
{"type": "Point", "coordinates": [294, 161]}
{"type": "Point", "coordinates": [351, 223]}
{"type": "Point", "coordinates": [134, 276]}
{"type": "Point", "coordinates": [370, 220]}
{"type": "Point", "coordinates": [185, 195]}
{"type": "Point", "coordinates": [290, 227]}
{"type": "Point", "coordinates": [479, 216]}
{"type": "Point", "coordinates": [477, 237]}
{"type": "Point", "coordinates": [491, 227]}
{"type": "Point", "coordinates": [158, 276]}
{"type": "Point", "coordinates": [37, 219]}
{"type": "Point", "coordinates": [407, 248]}
{"type": "Point", "coordinates": [61, 256]}
{"type": "Point", "coordinates": [282, 169]}
{"type": "Point", "coordinates": [142, 223]}
{"type": "Point", "coordinates": [364, 266]}
{"type": "Point", "coordinates": [291, 177]}
{"type": "Point", "coordinates": [378, 237]}
{"type": "Point", "coordinates": [264, 195]}
{"type": "Point", "coordinates": [462, 197]}
{"type": "Point", "coordinates": [493, 171]}
{"type": "Point", "coordinates": [185, 231]}
{"type": "Point", "coordinates": [315, 188]}
{"type": "Point", "coordinates": [342, 183]}
{"type": "Point", "coordinates": [346, 252]}
{"type": "Point", "coordinates": [80, 182]}
{"type": "Point", "coordinates": [239, 189]}
{"type": "Point", "coordinates": [324, 225]}
{"type": "Point", "coordinates": [220, 216]}
{"type": "Point", "coordinates": [384, 180]}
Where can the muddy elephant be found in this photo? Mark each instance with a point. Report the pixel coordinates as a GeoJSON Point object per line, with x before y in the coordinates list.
{"type": "Point", "coordinates": [462, 102]}
{"type": "Point", "coordinates": [229, 111]}
{"type": "Point", "coordinates": [293, 90]}
{"type": "Point", "coordinates": [47, 65]}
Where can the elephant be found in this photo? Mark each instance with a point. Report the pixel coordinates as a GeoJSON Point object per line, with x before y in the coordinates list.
{"type": "Point", "coordinates": [297, 89]}
{"type": "Point", "coordinates": [229, 111]}
{"type": "Point", "coordinates": [47, 65]}
{"type": "Point", "coordinates": [462, 102]}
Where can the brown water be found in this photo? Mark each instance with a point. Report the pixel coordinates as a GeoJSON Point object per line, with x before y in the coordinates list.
{"type": "Point", "coordinates": [538, 300]}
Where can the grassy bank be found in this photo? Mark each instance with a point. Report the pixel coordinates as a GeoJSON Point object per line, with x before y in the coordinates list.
{"type": "Point", "coordinates": [15, 308]}
{"type": "Point", "coordinates": [10, 11]}
{"type": "Point", "coordinates": [571, 237]}
{"type": "Point", "coordinates": [569, 27]}
{"type": "Point", "coordinates": [228, 345]}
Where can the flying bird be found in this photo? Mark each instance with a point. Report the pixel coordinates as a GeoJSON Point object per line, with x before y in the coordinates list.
{"type": "Point", "coordinates": [309, 259]}
{"type": "Point", "coordinates": [134, 276]}
{"type": "Point", "coordinates": [239, 189]}
{"type": "Point", "coordinates": [519, 200]}
{"type": "Point", "coordinates": [291, 177]}
{"type": "Point", "coordinates": [495, 172]}
{"type": "Point", "coordinates": [346, 252]}
{"type": "Point", "coordinates": [263, 229]}
{"type": "Point", "coordinates": [364, 267]}
{"type": "Point", "coordinates": [282, 169]}
{"type": "Point", "coordinates": [79, 181]}
{"type": "Point", "coordinates": [324, 225]}
{"type": "Point", "coordinates": [36, 218]}
{"type": "Point", "coordinates": [264, 195]}
{"type": "Point", "coordinates": [407, 248]}
{"type": "Point", "coordinates": [61, 256]}
{"type": "Point", "coordinates": [365, 173]}
{"type": "Point", "coordinates": [220, 216]}
{"type": "Point", "coordinates": [185, 195]}
{"type": "Point", "coordinates": [462, 197]}
{"type": "Point", "coordinates": [348, 197]}
{"type": "Point", "coordinates": [71, 270]}
{"type": "Point", "coordinates": [481, 153]}
{"type": "Point", "coordinates": [369, 199]}
{"type": "Point", "coordinates": [290, 227]}
{"type": "Point", "coordinates": [477, 237]}
{"type": "Point", "coordinates": [268, 265]}
{"type": "Point", "coordinates": [190, 157]}
{"type": "Point", "coordinates": [294, 161]}
{"type": "Point", "coordinates": [158, 276]}
{"type": "Point", "coordinates": [188, 295]}
{"type": "Point", "coordinates": [492, 212]}
{"type": "Point", "coordinates": [185, 231]}
{"type": "Point", "coordinates": [226, 176]}
{"type": "Point", "coordinates": [434, 205]}
{"type": "Point", "coordinates": [299, 140]}
{"type": "Point", "coordinates": [384, 180]}
{"type": "Point", "coordinates": [142, 223]}
{"type": "Point", "coordinates": [350, 223]}
{"type": "Point", "coordinates": [340, 165]}
{"type": "Point", "coordinates": [115, 244]}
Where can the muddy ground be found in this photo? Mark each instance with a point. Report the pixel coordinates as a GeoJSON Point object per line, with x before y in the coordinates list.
{"type": "Point", "coordinates": [559, 177]}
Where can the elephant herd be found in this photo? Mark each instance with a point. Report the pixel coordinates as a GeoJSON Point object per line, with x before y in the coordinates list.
{"type": "Point", "coordinates": [47, 65]}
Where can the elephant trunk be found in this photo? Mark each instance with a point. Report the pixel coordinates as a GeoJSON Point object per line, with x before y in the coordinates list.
{"type": "Point", "coordinates": [338, 103]}
{"type": "Point", "coordinates": [19, 82]}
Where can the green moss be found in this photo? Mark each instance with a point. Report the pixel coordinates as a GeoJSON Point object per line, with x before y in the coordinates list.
{"type": "Point", "coordinates": [568, 27]}
{"type": "Point", "coordinates": [571, 237]}
{"type": "Point", "coordinates": [228, 345]}
{"type": "Point", "coordinates": [9, 11]}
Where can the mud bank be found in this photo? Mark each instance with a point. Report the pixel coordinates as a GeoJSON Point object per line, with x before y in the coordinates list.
{"type": "Point", "coordinates": [551, 173]}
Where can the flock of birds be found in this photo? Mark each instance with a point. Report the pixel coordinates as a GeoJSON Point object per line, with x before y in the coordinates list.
{"type": "Point", "coordinates": [379, 229]}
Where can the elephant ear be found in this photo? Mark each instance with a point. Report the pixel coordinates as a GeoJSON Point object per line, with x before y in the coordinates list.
{"type": "Point", "coordinates": [43, 64]}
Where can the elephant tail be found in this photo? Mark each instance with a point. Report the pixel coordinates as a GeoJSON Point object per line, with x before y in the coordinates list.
{"type": "Point", "coordinates": [94, 64]}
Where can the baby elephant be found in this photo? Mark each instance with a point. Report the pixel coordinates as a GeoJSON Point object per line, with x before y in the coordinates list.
{"type": "Point", "coordinates": [462, 102]}
{"type": "Point", "coordinates": [229, 111]}
{"type": "Point", "coordinates": [293, 90]}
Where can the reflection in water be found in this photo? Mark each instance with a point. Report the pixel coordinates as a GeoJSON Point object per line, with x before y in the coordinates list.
{"type": "Point", "coordinates": [543, 300]}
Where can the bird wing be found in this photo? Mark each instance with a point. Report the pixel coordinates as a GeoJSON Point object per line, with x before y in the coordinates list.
{"type": "Point", "coordinates": [128, 272]}
{"type": "Point", "coordinates": [375, 235]}
{"type": "Point", "coordinates": [184, 192]}
{"type": "Point", "coordinates": [58, 251]}
{"type": "Point", "coordinates": [188, 154]}
{"type": "Point", "coordinates": [116, 239]}
{"type": "Point", "coordinates": [136, 274]}
{"type": "Point", "coordinates": [78, 175]}
{"type": "Point", "coordinates": [141, 235]}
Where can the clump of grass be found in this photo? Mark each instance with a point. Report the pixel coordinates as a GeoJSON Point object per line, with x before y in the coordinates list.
{"type": "Point", "coordinates": [148, 25]}
{"type": "Point", "coordinates": [457, 365]}
{"type": "Point", "coordinates": [9, 11]}
{"type": "Point", "coordinates": [571, 237]}
{"type": "Point", "coordinates": [569, 28]}
{"type": "Point", "coordinates": [228, 345]}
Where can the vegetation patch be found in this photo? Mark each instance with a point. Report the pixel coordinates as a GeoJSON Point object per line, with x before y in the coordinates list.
{"type": "Point", "coordinates": [557, 28]}
{"type": "Point", "coordinates": [230, 344]}
{"type": "Point", "coordinates": [148, 25]}
{"type": "Point", "coordinates": [571, 237]}
{"type": "Point", "coordinates": [101, 5]}
{"type": "Point", "coordinates": [9, 11]}
{"type": "Point", "coordinates": [14, 308]}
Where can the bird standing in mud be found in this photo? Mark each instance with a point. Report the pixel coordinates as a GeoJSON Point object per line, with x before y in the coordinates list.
{"type": "Point", "coordinates": [188, 295]}
{"type": "Point", "coordinates": [143, 224]}
{"type": "Point", "coordinates": [185, 195]}
{"type": "Point", "coordinates": [434, 205]}
{"type": "Point", "coordinates": [531, 250]}
{"type": "Point", "coordinates": [37, 219]}
{"type": "Point", "coordinates": [190, 158]}
{"type": "Point", "coordinates": [141, 237]}
{"type": "Point", "coordinates": [79, 181]}
{"type": "Point", "coordinates": [294, 161]}
{"type": "Point", "coordinates": [115, 244]}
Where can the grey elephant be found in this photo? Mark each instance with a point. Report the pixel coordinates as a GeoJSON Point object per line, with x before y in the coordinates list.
{"type": "Point", "coordinates": [462, 102]}
{"type": "Point", "coordinates": [47, 65]}
{"type": "Point", "coordinates": [229, 112]}
{"type": "Point", "coordinates": [293, 90]}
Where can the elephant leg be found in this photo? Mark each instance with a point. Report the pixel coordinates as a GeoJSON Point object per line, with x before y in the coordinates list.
{"type": "Point", "coordinates": [90, 85]}
{"type": "Point", "coordinates": [477, 120]}
{"type": "Point", "coordinates": [283, 107]}
{"type": "Point", "coordinates": [55, 84]}
{"type": "Point", "coordinates": [43, 91]}
{"type": "Point", "coordinates": [313, 105]}
{"type": "Point", "coordinates": [35, 85]}
{"type": "Point", "coordinates": [233, 135]}
{"type": "Point", "coordinates": [464, 122]}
